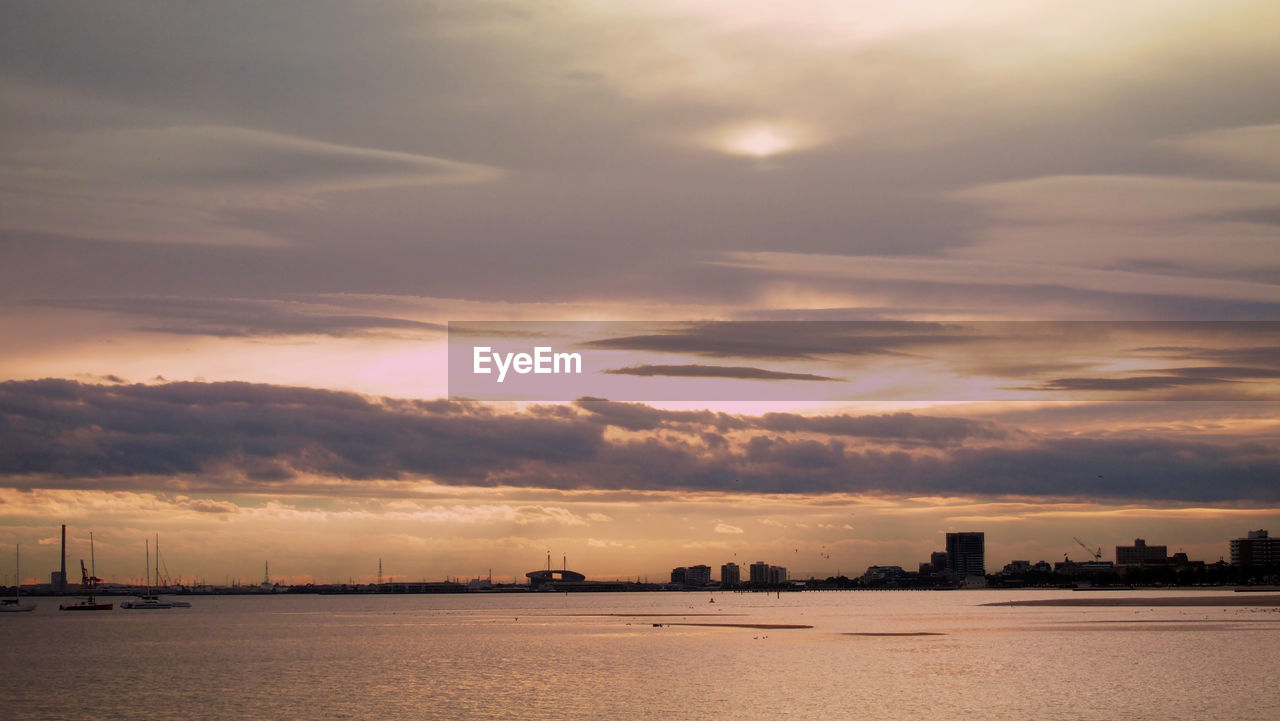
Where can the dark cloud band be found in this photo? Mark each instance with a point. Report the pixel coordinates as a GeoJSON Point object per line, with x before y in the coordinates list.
{"type": "Point", "coordinates": [248, 437]}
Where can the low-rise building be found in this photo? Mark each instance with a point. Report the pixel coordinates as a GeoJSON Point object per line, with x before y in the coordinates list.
{"type": "Point", "coordinates": [1140, 554]}
{"type": "Point", "coordinates": [884, 576]}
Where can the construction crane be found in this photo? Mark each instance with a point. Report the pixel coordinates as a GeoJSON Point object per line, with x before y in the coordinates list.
{"type": "Point", "coordinates": [1097, 554]}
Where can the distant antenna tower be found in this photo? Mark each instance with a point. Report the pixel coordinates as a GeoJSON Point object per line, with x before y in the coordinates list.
{"type": "Point", "coordinates": [266, 573]}
{"type": "Point", "coordinates": [379, 571]}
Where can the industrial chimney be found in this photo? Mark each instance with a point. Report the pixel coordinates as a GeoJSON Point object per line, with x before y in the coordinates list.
{"type": "Point", "coordinates": [58, 579]}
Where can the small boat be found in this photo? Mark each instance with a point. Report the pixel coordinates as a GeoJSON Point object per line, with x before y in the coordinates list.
{"type": "Point", "coordinates": [89, 604]}
{"type": "Point", "coordinates": [146, 601]}
{"type": "Point", "coordinates": [89, 583]}
{"type": "Point", "coordinates": [15, 604]}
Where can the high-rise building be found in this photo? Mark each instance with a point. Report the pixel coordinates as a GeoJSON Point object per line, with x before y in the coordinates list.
{"type": "Point", "coordinates": [966, 553]}
{"type": "Point", "coordinates": [759, 573]}
{"type": "Point", "coordinates": [1140, 554]}
{"type": "Point", "coordinates": [1258, 549]}
{"type": "Point", "coordinates": [730, 575]}
{"type": "Point", "coordinates": [679, 575]}
{"type": "Point", "coordinates": [777, 575]}
{"type": "Point", "coordinates": [698, 575]}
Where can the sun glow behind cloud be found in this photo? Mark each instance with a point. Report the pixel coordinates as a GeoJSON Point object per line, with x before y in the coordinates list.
{"type": "Point", "coordinates": [759, 141]}
{"type": "Point", "coordinates": [762, 139]}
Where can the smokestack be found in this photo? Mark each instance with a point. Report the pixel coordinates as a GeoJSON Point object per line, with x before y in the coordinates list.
{"type": "Point", "coordinates": [58, 579]}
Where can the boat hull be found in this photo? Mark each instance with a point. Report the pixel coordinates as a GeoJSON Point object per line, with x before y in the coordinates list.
{"type": "Point", "coordinates": [141, 606]}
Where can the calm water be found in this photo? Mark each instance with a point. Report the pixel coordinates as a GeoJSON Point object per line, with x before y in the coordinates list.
{"type": "Point", "coordinates": [558, 656]}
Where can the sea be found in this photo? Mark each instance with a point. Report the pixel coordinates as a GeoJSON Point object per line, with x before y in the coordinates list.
{"type": "Point", "coordinates": [723, 655]}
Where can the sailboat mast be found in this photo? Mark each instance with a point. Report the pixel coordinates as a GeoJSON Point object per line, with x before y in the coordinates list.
{"type": "Point", "coordinates": [146, 543]}
{"type": "Point", "coordinates": [17, 569]}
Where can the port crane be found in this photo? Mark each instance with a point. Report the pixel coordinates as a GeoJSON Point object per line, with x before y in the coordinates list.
{"type": "Point", "coordinates": [1097, 554]}
{"type": "Point", "coordinates": [87, 581]}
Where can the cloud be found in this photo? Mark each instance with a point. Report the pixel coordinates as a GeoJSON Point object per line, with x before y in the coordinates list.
{"type": "Point", "coordinates": [727, 529]}
{"type": "Point", "coordinates": [207, 505]}
{"type": "Point", "coordinates": [1153, 224]}
{"type": "Point", "coordinates": [255, 142]}
{"type": "Point", "coordinates": [598, 543]}
{"type": "Point", "coordinates": [239, 437]}
{"type": "Point", "coordinates": [1250, 147]}
{"type": "Point", "coordinates": [639, 417]}
{"type": "Point", "coordinates": [188, 183]}
{"type": "Point", "coordinates": [791, 340]}
{"type": "Point", "coordinates": [995, 273]}
{"type": "Point", "coordinates": [543, 514]}
{"type": "Point", "coordinates": [1118, 198]}
{"type": "Point", "coordinates": [1131, 383]}
{"type": "Point", "coordinates": [1167, 378]}
{"type": "Point", "coordinates": [886, 427]}
{"type": "Point", "coordinates": [903, 360]}
{"type": "Point", "coordinates": [242, 317]}
{"type": "Point", "coordinates": [262, 434]}
{"type": "Point", "coordinates": [705, 371]}
{"type": "Point", "coordinates": [1261, 355]}
{"type": "Point", "coordinates": [897, 427]}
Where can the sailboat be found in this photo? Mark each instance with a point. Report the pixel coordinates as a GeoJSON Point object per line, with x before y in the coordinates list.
{"type": "Point", "coordinates": [159, 564]}
{"type": "Point", "coordinates": [147, 600]}
{"type": "Point", "coordinates": [88, 583]}
{"type": "Point", "coordinates": [15, 604]}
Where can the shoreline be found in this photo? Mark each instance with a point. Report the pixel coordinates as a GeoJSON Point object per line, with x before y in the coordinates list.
{"type": "Point", "coordinates": [1247, 599]}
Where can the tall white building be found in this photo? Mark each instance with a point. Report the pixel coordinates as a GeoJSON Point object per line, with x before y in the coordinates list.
{"type": "Point", "coordinates": [730, 575]}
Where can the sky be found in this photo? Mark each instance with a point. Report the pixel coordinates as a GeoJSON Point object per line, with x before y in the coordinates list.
{"type": "Point", "coordinates": [233, 235]}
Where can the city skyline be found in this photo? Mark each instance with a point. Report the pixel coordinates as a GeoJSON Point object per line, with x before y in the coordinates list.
{"type": "Point", "coordinates": [1251, 539]}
